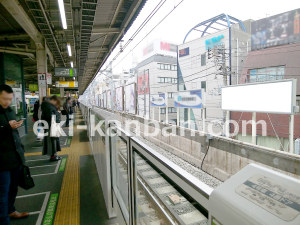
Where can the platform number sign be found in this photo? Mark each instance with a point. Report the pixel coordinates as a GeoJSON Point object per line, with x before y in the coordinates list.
{"type": "Point", "coordinates": [42, 77]}
{"type": "Point", "coordinates": [42, 84]}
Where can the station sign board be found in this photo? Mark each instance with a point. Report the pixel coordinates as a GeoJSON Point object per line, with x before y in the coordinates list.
{"type": "Point", "coordinates": [65, 72]}
{"type": "Point", "coordinates": [66, 84]}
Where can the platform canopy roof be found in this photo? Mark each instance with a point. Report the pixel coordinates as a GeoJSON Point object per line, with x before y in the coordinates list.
{"type": "Point", "coordinates": [94, 28]}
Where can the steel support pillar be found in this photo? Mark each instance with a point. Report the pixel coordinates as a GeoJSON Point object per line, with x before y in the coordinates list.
{"type": "Point", "coordinates": [62, 90]}
{"type": "Point", "coordinates": [227, 124]}
{"type": "Point", "coordinates": [254, 128]}
{"type": "Point", "coordinates": [291, 133]}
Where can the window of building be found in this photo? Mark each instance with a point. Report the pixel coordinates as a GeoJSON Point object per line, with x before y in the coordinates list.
{"type": "Point", "coordinates": [170, 95]}
{"type": "Point", "coordinates": [266, 74]}
{"type": "Point", "coordinates": [203, 85]}
{"type": "Point", "coordinates": [163, 111]}
{"type": "Point", "coordinates": [166, 66]}
{"type": "Point", "coordinates": [172, 110]}
{"type": "Point", "coordinates": [167, 80]}
{"type": "Point", "coordinates": [203, 59]}
{"type": "Point", "coordinates": [161, 80]}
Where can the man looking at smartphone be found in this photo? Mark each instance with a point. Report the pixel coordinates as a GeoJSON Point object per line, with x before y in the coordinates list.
{"type": "Point", "coordinates": [11, 157]}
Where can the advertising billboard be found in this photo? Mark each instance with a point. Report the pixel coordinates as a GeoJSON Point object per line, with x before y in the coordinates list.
{"type": "Point", "coordinates": [143, 107]}
{"type": "Point", "coordinates": [33, 87]}
{"type": "Point", "coordinates": [49, 78]}
{"type": "Point", "coordinates": [104, 96]}
{"type": "Point", "coordinates": [158, 100]}
{"type": "Point", "coordinates": [159, 47]}
{"type": "Point", "coordinates": [143, 91]}
{"type": "Point", "coordinates": [97, 100]}
{"type": "Point", "coordinates": [267, 97]}
{"type": "Point", "coordinates": [130, 98]}
{"type": "Point", "coordinates": [143, 83]}
{"type": "Point", "coordinates": [276, 30]}
{"type": "Point", "coordinates": [119, 99]}
{"type": "Point", "coordinates": [108, 99]}
{"type": "Point", "coordinates": [100, 100]}
{"type": "Point", "coordinates": [42, 84]}
{"type": "Point", "coordinates": [184, 52]}
{"type": "Point", "coordinates": [188, 99]}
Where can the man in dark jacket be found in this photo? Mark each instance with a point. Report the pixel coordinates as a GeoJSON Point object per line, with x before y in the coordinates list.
{"type": "Point", "coordinates": [67, 108]}
{"type": "Point", "coordinates": [36, 110]}
{"type": "Point", "coordinates": [11, 157]}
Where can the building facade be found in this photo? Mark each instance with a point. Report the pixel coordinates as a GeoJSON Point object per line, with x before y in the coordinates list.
{"type": "Point", "coordinates": [209, 63]}
{"type": "Point", "coordinates": [158, 71]}
{"type": "Point", "coordinates": [162, 74]}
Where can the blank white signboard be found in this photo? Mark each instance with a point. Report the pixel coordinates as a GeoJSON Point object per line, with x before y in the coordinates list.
{"type": "Point", "coordinates": [270, 97]}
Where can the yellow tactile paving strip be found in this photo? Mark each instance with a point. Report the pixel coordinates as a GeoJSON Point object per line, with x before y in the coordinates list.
{"type": "Point", "coordinates": [33, 153]}
{"type": "Point", "coordinates": [68, 208]}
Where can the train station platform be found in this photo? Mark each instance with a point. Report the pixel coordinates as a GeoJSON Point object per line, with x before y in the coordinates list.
{"type": "Point", "coordinates": [67, 191]}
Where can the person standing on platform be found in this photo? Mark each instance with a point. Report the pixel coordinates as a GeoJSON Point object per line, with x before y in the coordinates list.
{"type": "Point", "coordinates": [67, 109]}
{"type": "Point", "coordinates": [11, 157]}
{"type": "Point", "coordinates": [51, 145]}
{"type": "Point", "coordinates": [74, 105]}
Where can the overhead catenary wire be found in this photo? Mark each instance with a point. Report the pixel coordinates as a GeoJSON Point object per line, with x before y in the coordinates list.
{"type": "Point", "coordinates": [140, 40]}
{"type": "Point", "coordinates": [149, 32]}
{"type": "Point", "coordinates": [153, 12]}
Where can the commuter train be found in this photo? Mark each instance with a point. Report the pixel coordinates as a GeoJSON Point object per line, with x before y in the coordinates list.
{"type": "Point", "coordinates": [141, 186]}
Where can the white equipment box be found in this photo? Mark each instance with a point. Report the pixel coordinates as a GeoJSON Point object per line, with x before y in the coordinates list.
{"type": "Point", "coordinates": [256, 195]}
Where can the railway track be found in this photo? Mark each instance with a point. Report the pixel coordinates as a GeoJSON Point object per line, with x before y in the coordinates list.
{"type": "Point", "coordinates": [158, 200]}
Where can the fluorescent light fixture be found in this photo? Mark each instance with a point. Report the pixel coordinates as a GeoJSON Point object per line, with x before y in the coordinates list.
{"type": "Point", "coordinates": [71, 64]}
{"type": "Point", "coordinates": [268, 97]}
{"type": "Point", "coordinates": [62, 13]}
{"type": "Point", "coordinates": [69, 49]}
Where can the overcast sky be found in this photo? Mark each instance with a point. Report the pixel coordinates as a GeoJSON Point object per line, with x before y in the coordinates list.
{"type": "Point", "coordinates": [188, 14]}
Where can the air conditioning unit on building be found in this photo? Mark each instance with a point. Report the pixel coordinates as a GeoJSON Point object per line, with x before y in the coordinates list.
{"type": "Point", "coordinates": [297, 146]}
